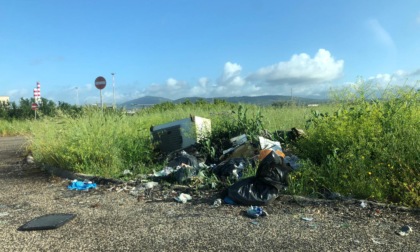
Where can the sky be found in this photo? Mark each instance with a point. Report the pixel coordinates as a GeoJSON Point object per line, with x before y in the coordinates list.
{"type": "Point", "coordinates": [204, 48]}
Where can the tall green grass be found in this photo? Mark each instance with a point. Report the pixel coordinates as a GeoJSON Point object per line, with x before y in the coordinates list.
{"type": "Point", "coordinates": [107, 143]}
{"type": "Point", "coordinates": [369, 149]}
{"type": "Point", "coordinates": [15, 127]}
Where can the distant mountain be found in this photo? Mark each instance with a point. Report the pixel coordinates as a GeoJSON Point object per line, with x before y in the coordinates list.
{"type": "Point", "coordinates": [258, 100]}
{"type": "Point", "coordinates": [144, 101]}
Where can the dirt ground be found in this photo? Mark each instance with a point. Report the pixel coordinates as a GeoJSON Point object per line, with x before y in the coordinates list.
{"type": "Point", "coordinates": [114, 220]}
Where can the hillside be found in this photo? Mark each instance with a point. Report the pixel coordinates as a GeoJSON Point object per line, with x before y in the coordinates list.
{"type": "Point", "coordinates": [264, 100]}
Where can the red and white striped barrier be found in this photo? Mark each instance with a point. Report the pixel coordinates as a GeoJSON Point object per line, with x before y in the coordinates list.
{"type": "Point", "coordinates": [37, 93]}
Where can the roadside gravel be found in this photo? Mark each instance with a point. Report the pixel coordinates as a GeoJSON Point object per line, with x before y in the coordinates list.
{"type": "Point", "coordinates": [108, 220]}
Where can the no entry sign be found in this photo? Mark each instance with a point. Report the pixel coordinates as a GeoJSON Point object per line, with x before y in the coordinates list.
{"type": "Point", "coordinates": [100, 82]}
{"type": "Point", "coordinates": [34, 106]}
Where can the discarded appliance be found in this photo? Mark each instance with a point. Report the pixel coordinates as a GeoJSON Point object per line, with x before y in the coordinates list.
{"type": "Point", "coordinates": [180, 134]}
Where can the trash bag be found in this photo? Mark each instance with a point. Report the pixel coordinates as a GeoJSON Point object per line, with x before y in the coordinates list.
{"type": "Point", "coordinates": [273, 171]}
{"type": "Point", "coordinates": [183, 159]}
{"type": "Point", "coordinates": [184, 173]}
{"type": "Point", "coordinates": [264, 187]}
{"type": "Point", "coordinates": [252, 191]}
{"type": "Point", "coordinates": [232, 167]}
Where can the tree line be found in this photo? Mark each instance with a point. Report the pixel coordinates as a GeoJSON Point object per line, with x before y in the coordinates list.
{"type": "Point", "coordinates": [23, 110]}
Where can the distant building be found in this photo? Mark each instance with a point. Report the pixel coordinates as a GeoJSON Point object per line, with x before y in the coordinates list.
{"type": "Point", "coordinates": [4, 99]}
{"type": "Point", "coordinates": [313, 105]}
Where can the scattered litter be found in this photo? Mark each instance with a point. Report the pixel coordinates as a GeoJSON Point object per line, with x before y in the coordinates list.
{"type": "Point", "coordinates": [164, 172]}
{"type": "Point", "coordinates": [292, 161]}
{"type": "Point", "coordinates": [236, 143]}
{"type": "Point", "coordinates": [30, 159]}
{"type": "Point", "coordinates": [182, 158]}
{"type": "Point", "coordinates": [81, 185]}
{"type": "Point", "coordinates": [231, 168]}
{"type": "Point", "coordinates": [4, 214]}
{"type": "Point", "coordinates": [127, 172]}
{"type": "Point", "coordinates": [307, 218]}
{"type": "Point", "coordinates": [254, 222]}
{"type": "Point", "coordinates": [363, 204]}
{"type": "Point", "coordinates": [404, 230]}
{"type": "Point", "coordinates": [150, 185]}
{"type": "Point", "coordinates": [217, 203]}
{"type": "Point", "coordinates": [313, 226]}
{"type": "Point", "coordinates": [183, 198]}
{"type": "Point", "coordinates": [269, 144]}
{"type": "Point", "coordinates": [376, 241]}
{"type": "Point", "coordinates": [229, 201]}
{"type": "Point", "coordinates": [255, 211]}
{"type": "Point", "coordinates": [49, 221]}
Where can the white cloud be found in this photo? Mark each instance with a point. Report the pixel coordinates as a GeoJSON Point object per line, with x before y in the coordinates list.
{"type": "Point", "coordinates": [231, 75]}
{"type": "Point", "coordinates": [418, 18]}
{"type": "Point", "coordinates": [172, 89]}
{"type": "Point", "coordinates": [301, 68]}
{"type": "Point", "coordinates": [381, 34]}
{"type": "Point", "coordinates": [304, 74]}
{"type": "Point", "coordinates": [398, 78]}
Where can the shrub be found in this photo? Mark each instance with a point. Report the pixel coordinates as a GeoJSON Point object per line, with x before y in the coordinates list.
{"type": "Point", "coordinates": [369, 148]}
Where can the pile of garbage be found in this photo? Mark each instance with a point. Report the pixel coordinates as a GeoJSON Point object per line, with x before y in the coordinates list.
{"type": "Point", "coordinates": [267, 157]}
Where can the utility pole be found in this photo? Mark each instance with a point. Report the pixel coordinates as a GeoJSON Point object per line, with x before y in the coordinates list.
{"type": "Point", "coordinates": [77, 96]}
{"type": "Point", "coordinates": [113, 90]}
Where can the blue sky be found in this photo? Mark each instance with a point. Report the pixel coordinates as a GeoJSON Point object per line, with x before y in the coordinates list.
{"type": "Point", "coordinates": [206, 48]}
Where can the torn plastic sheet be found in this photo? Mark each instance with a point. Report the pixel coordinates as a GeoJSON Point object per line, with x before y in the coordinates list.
{"type": "Point", "coordinates": [81, 185]}
{"type": "Point", "coordinates": [292, 161]}
{"type": "Point", "coordinates": [269, 144]}
{"type": "Point", "coordinates": [164, 172]}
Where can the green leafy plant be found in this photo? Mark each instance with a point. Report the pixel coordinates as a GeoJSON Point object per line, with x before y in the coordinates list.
{"type": "Point", "coordinates": [369, 148]}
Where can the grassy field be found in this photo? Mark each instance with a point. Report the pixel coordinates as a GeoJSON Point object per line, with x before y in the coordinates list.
{"type": "Point", "coordinates": [358, 147]}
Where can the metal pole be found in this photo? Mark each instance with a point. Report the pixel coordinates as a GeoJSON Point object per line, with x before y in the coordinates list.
{"type": "Point", "coordinates": [100, 94]}
{"type": "Point", "coordinates": [77, 96]}
{"type": "Point", "coordinates": [113, 90]}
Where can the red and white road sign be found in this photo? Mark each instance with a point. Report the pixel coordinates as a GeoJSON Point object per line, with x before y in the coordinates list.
{"type": "Point", "coordinates": [34, 106]}
{"type": "Point", "coordinates": [100, 82]}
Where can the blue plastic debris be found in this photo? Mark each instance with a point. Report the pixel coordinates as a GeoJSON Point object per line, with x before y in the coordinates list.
{"type": "Point", "coordinates": [81, 185]}
{"type": "Point", "coordinates": [255, 211]}
{"type": "Point", "coordinates": [229, 201]}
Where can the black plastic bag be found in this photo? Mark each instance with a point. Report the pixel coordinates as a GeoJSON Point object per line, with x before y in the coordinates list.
{"type": "Point", "coordinates": [273, 171]}
{"type": "Point", "coordinates": [183, 158]}
{"type": "Point", "coordinates": [226, 168]}
{"type": "Point", "coordinates": [251, 191]}
{"type": "Point", "coordinates": [271, 177]}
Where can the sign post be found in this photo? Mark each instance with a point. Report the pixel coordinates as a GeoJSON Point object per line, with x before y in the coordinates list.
{"type": "Point", "coordinates": [100, 84]}
{"type": "Point", "coordinates": [34, 108]}
{"type": "Point", "coordinates": [37, 98]}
